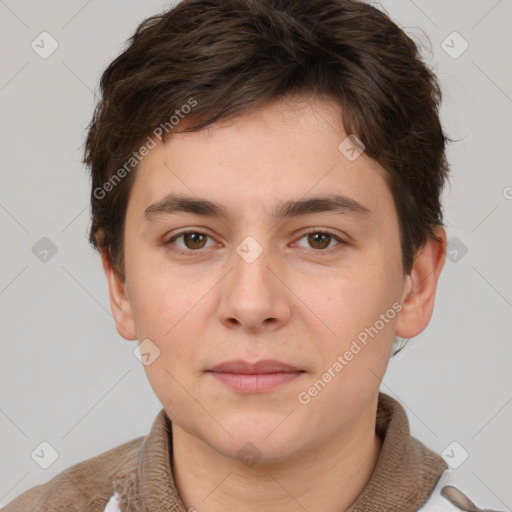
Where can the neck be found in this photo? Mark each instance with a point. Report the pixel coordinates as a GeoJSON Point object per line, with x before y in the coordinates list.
{"type": "Point", "coordinates": [327, 478]}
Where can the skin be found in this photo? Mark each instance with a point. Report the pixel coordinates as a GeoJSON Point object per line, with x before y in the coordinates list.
{"type": "Point", "coordinates": [291, 304]}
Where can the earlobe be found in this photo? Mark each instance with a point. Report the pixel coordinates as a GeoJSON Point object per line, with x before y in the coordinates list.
{"type": "Point", "coordinates": [420, 287]}
{"type": "Point", "coordinates": [119, 303]}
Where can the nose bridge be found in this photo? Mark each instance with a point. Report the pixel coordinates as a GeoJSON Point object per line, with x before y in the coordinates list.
{"type": "Point", "coordinates": [252, 261]}
{"type": "Point", "coordinates": [252, 295]}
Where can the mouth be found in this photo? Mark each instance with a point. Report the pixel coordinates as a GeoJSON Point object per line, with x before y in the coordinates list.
{"type": "Point", "coordinates": [255, 377]}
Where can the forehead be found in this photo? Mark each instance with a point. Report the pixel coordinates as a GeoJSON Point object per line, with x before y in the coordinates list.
{"type": "Point", "coordinates": [284, 151]}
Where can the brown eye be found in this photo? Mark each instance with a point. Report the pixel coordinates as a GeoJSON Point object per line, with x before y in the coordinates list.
{"type": "Point", "coordinates": [190, 242]}
{"type": "Point", "coordinates": [194, 240]}
{"type": "Point", "coordinates": [319, 240]}
{"type": "Point", "coordinates": [322, 242]}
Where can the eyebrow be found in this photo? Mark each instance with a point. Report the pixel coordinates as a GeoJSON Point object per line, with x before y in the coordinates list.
{"type": "Point", "coordinates": [174, 203]}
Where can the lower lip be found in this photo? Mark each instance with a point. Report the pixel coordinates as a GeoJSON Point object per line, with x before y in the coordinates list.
{"type": "Point", "coordinates": [255, 383]}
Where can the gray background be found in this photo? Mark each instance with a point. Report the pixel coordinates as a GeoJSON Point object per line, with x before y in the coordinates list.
{"type": "Point", "coordinates": [69, 379]}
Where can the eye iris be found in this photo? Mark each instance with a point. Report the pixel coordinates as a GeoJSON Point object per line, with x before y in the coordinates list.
{"type": "Point", "coordinates": [195, 238]}
{"type": "Point", "coordinates": [315, 238]}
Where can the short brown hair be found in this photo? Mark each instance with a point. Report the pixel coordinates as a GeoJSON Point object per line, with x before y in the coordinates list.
{"type": "Point", "coordinates": [232, 56]}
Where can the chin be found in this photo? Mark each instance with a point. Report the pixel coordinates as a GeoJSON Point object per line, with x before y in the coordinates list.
{"type": "Point", "coordinates": [263, 436]}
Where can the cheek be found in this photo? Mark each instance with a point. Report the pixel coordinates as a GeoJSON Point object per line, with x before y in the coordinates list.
{"type": "Point", "coordinates": [165, 299]}
{"type": "Point", "coordinates": [169, 310]}
{"type": "Point", "coordinates": [354, 304]}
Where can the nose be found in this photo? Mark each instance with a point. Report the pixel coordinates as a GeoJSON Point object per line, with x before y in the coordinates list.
{"type": "Point", "coordinates": [254, 296]}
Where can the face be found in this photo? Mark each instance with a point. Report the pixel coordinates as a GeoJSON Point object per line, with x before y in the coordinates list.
{"type": "Point", "coordinates": [317, 286]}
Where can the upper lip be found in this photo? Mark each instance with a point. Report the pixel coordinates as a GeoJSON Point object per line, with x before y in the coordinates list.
{"type": "Point", "coordinates": [266, 366]}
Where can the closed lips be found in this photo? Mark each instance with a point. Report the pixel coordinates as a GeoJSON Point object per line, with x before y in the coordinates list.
{"type": "Point", "coordinates": [260, 367]}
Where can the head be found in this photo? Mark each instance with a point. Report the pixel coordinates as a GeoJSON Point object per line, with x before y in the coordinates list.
{"type": "Point", "coordinates": [299, 145]}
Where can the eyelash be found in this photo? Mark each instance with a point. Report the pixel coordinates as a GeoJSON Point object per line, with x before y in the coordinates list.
{"type": "Point", "coordinates": [191, 252]}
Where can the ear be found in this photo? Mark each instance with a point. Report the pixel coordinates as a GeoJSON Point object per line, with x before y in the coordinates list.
{"type": "Point", "coordinates": [420, 287]}
{"type": "Point", "coordinates": [119, 303]}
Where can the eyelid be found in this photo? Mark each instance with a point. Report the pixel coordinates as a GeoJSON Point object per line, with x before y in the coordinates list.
{"type": "Point", "coordinates": [184, 232]}
{"type": "Point", "coordinates": [341, 241]}
{"type": "Point", "coordinates": [324, 231]}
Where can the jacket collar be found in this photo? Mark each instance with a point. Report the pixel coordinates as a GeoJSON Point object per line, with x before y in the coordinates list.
{"type": "Point", "coordinates": [404, 476]}
{"type": "Point", "coordinates": [406, 471]}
